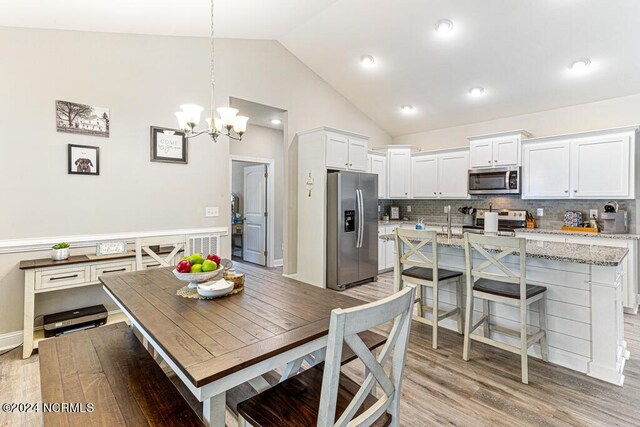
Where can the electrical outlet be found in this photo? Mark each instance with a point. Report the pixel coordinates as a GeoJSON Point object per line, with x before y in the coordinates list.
{"type": "Point", "coordinates": [593, 213]}
{"type": "Point", "coordinates": [408, 208]}
{"type": "Point", "coordinates": [378, 208]}
{"type": "Point", "coordinates": [211, 211]}
{"type": "Point", "coordinates": [540, 212]}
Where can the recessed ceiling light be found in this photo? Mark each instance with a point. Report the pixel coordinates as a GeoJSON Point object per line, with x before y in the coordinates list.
{"type": "Point", "coordinates": [407, 109]}
{"type": "Point", "coordinates": [444, 26]}
{"type": "Point", "coordinates": [476, 91]}
{"type": "Point", "coordinates": [580, 66]}
{"type": "Point", "coordinates": [367, 60]}
{"type": "Point", "coordinates": [276, 121]}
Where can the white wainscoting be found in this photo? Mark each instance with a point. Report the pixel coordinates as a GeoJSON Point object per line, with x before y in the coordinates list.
{"type": "Point", "coordinates": [88, 240]}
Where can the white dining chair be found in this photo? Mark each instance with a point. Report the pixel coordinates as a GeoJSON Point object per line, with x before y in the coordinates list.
{"type": "Point", "coordinates": [493, 280]}
{"type": "Point", "coordinates": [322, 395]}
{"type": "Point", "coordinates": [425, 273]}
{"type": "Point", "coordinates": [143, 248]}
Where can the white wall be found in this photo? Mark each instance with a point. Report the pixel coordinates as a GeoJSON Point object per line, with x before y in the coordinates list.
{"type": "Point", "coordinates": [596, 115]}
{"type": "Point", "coordinates": [143, 80]}
{"type": "Point", "coordinates": [266, 143]}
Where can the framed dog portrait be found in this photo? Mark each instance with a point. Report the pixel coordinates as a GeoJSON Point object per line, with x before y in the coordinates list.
{"type": "Point", "coordinates": [168, 145]}
{"type": "Point", "coordinates": [84, 160]}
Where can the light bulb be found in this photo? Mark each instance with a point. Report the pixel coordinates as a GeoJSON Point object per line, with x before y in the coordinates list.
{"type": "Point", "coordinates": [367, 61]}
{"type": "Point", "coordinates": [407, 109]}
{"type": "Point", "coordinates": [192, 113]}
{"type": "Point", "coordinates": [240, 124]}
{"type": "Point", "coordinates": [227, 115]}
{"type": "Point", "coordinates": [444, 26]}
{"type": "Point", "coordinates": [476, 91]}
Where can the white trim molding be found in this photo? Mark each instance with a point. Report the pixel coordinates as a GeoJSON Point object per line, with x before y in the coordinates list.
{"type": "Point", "coordinates": [10, 340]}
{"type": "Point", "coordinates": [278, 262]}
{"type": "Point", "coordinates": [88, 240]}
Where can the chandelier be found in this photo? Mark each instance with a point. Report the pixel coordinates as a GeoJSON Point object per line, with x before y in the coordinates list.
{"type": "Point", "coordinates": [228, 124]}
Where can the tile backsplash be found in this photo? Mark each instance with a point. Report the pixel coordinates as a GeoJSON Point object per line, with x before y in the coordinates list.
{"type": "Point", "coordinates": [433, 210]}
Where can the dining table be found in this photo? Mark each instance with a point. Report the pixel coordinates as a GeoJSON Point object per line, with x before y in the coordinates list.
{"type": "Point", "coordinates": [218, 344]}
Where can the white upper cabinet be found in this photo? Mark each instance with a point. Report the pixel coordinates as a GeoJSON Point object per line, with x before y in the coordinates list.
{"type": "Point", "coordinates": [440, 176]}
{"type": "Point", "coordinates": [337, 151]}
{"type": "Point", "coordinates": [357, 154]}
{"type": "Point", "coordinates": [591, 165]}
{"type": "Point", "coordinates": [506, 151]}
{"type": "Point", "coordinates": [346, 152]}
{"type": "Point", "coordinates": [453, 175]}
{"type": "Point", "coordinates": [498, 150]}
{"type": "Point", "coordinates": [546, 170]}
{"type": "Point", "coordinates": [399, 172]}
{"type": "Point", "coordinates": [378, 166]}
{"type": "Point", "coordinates": [424, 176]}
{"type": "Point", "coordinates": [601, 167]}
{"type": "Point", "coordinates": [481, 154]}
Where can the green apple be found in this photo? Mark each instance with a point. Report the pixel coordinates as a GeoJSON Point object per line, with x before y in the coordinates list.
{"type": "Point", "coordinates": [196, 259]}
{"type": "Point", "coordinates": [196, 268]}
{"type": "Point", "coordinates": [209, 265]}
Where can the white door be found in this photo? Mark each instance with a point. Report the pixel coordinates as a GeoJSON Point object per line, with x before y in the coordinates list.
{"type": "Point", "coordinates": [600, 167]}
{"type": "Point", "coordinates": [390, 250]}
{"type": "Point", "coordinates": [481, 154]}
{"type": "Point", "coordinates": [453, 175]}
{"type": "Point", "coordinates": [546, 170]}
{"type": "Point", "coordinates": [505, 152]}
{"type": "Point", "coordinates": [255, 208]}
{"type": "Point", "coordinates": [424, 177]}
{"type": "Point", "coordinates": [379, 167]}
{"type": "Point", "coordinates": [337, 155]}
{"type": "Point", "coordinates": [357, 155]}
{"type": "Point", "coordinates": [399, 173]}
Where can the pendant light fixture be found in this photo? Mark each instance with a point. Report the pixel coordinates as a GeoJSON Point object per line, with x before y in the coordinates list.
{"type": "Point", "coordinates": [228, 124]}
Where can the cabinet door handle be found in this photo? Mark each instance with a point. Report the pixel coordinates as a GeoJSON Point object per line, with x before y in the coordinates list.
{"type": "Point", "coordinates": [346, 164]}
{"type": "Point", "coordinates": [434, 192]}
{"type": "Point", "coordinates": [63, 277]}
{"type": "Point", "coordinates": [575, 191]}
{"type": "Point", "coordinates": [440, 192]}
{"type": "Point", "coordinates": [152, 265]}
{"type": "Point", "coordinates": [114, 271]}
{"type": "Point", "coordinates": [350, 164]}
{"type": "Point", "coordinates": [566, 191]}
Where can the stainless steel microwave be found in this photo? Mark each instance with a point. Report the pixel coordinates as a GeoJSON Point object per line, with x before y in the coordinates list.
{"type": "Point", "coordinates": [494, 181]}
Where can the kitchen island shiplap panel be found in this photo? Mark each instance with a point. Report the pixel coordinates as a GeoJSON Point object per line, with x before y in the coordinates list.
{"type": "Point", "coordinates": [585, 332]}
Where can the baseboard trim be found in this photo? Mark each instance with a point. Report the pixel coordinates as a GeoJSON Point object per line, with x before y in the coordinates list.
{"type": "Point", "coordinates": [10, 340]}
{"type": "Point", "coordinates": [291, 276]}
{"type": "Point", "coordinates": [278, 262]}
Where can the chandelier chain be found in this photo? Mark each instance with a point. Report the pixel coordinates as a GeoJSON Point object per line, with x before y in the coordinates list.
{"type": "Point", "coordinates": [213, 80]}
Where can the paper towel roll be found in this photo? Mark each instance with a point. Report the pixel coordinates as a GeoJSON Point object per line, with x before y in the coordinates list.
{"type": "Point", "coordinates": [491, 222]}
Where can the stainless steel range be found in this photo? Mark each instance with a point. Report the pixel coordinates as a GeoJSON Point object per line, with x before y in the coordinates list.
{"type": "Point", "coordinates": [508, 222]}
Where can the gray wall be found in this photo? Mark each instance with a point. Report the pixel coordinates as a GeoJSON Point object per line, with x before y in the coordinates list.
{"type": "Point", "coordinates": [143, 80]}
{"type": "Point", "coordinates": [433, 210]}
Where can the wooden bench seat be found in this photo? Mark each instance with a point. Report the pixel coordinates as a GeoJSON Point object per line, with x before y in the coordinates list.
{"type": "Point", "coordinates": [246, 391]}
{"type": "Point", "coordinates": [109, 368]}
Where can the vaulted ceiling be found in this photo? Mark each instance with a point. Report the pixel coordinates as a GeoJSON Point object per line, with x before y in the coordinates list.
{"type": "Point", "coordinates": [519, 51]}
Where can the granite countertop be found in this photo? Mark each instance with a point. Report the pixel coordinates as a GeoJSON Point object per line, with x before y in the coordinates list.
{"type": "Point", "coordinates": [579, 233]}
{"type": "Point", "coordinates": [413, 222]}
{"type": "Point", "coordinates": [555, 251]}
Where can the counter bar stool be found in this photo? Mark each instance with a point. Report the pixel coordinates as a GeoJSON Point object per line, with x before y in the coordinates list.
{"type": "Point", "coordinates": [424, 272]}
{"type": "Point", "coordinates": [502, 285]}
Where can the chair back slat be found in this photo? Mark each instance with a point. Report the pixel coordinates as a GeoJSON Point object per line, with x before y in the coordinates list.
{"type": "Point", "coordinates": [143, 247]}
{"type": "Point", "coordinates": [344, 327]}
{"type": "Point", "coordinates": [409, 243]}
{"type": "Point", "coordinates": [494, 249]}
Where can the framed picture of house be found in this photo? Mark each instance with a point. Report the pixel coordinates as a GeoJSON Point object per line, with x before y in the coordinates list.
{"type": "Point", "coordinates": [84, 159]}
{"type": "Point", "coordinates": [83, 119]}
{"type": "Point", "coordinates": [168, 145]}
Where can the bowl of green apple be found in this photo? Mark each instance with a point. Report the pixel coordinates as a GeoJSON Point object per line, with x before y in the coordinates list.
{"type": "Point", "coordinates": [197, 269]}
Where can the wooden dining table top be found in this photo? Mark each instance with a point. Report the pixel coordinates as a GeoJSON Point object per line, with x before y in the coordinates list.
{"type": "Point", "coordinates": [210, 339]}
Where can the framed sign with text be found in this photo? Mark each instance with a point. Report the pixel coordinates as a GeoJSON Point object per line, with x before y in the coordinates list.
{"type": "Point", "coordinates": [168, 145]}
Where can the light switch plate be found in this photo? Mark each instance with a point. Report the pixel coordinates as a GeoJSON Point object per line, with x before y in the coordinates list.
{"type": "Point", "coordinates": [540, 212]}
{"type": "Point", "coordinates": [212, 211]}
{"type": "Point", "coordinates": [408, 208]}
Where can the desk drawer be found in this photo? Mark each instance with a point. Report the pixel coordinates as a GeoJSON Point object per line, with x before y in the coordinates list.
{"type": "Point", "coordinates": [62, 277]}
{"type": "Point", "coordinates": [110, 268]}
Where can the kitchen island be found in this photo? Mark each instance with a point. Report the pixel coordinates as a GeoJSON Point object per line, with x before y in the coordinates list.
{"type": "Point", "coordinates": [584, 302]}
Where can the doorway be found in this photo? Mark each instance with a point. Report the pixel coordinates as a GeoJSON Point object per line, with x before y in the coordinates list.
{"type": "Point", "coordinates": [250, 208]}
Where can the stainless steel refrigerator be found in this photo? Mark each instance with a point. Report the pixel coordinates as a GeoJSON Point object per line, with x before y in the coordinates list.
{"type": "Point", "coordinates": [352, 229]}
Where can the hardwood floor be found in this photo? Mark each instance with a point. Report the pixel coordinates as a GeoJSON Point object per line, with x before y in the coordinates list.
{"type": "Point", "coordinates": [440, 388]}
